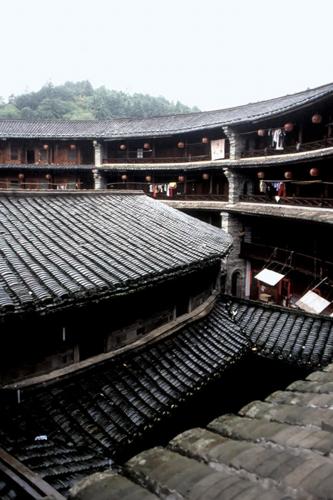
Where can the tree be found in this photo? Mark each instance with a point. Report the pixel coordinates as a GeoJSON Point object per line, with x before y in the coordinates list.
{"type": "Point", "coordinates": [9, 111]}
{"type": "Point", "coordinates": [79, 101]}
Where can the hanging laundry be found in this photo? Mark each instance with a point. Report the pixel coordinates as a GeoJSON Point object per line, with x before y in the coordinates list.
{"type": "Point", "coordinates": [278, 139]}
{"type": "Point", "coordinates": [262, 186]}
{"type": "Point", "coordinates": [282, 189]}
{"type": "Point", "coordinates": [172, 186]}
{"type": "Point", "coordinates": [270, 191]}
{"type": "Point", "coordinates": [155, 191]}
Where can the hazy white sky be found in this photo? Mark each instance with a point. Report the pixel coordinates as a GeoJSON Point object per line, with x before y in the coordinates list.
{"type": "Point", "coordinates": [209, 53]}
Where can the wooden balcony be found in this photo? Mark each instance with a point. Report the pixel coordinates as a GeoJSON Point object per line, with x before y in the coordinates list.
{"type": "Point", "coordinates": [193, 197]}
{"type": "Point", "coordinates": [176, 196]}
{"type": "Point", "coordinates": [39, 185]}
{"type": "Point", "coordinates": [296, 148]}
{"type": "Point", "coordinates": [131, 158]}
{"type": "Point", "coordinates": [305, 264]}
{"type": "Point", "coordinates": [289, 200]}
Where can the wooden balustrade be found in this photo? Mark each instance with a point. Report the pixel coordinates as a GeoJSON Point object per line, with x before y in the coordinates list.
{"type": "Point", "coordinates": [295, 148]}
{"type": "Point", "coordinates": [163, 159]}
{"type": "Point", "coordinates": [296, 261]}
{"type": "Point", "coordinates": [289, 200]}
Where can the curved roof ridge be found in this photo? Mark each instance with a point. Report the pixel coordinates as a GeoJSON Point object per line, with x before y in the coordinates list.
{"type": "Point", "coordinates": [158, 126]}
{"type": "Point", "coordinates": [328, 86]}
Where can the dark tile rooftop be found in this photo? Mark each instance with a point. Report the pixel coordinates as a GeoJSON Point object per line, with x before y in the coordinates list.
{"type": "Point", "coordinates": [316, 214]}
{"type": "Point", "coordinates": [49, 166]}
{"type": "Point", "coordinates": [64, 247]}
{"type": "Point", "coordinates": [163, 125]}
{"type": "Point", "coordinates": [91, 416]}
{"type": "Point", "coordinates": [280, 448]}
{"type": "Point", "coordinates": [286, 334]}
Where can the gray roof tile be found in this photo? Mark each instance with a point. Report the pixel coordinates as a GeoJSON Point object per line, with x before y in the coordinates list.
{"type": "Point", "coordinates": [275, 445]}
{"type": "Point", "coordinates": [96, 414]}
{"type": "Point", "coordinates": [62, 247]}
{"type": "Point", "coordinates": [162, 125]}
{"type": "Point", "coordinates": [282, 333]}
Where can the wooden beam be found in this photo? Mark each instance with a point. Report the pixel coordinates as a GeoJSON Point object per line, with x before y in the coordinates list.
{"type": "Point", "coordinates": [27, 481]}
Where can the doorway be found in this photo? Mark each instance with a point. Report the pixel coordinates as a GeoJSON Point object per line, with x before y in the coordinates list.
{"type": "Point", "coordinates": [30, 156]}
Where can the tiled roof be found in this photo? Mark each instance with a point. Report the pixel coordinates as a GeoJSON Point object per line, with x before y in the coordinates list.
{"type": "Point", "coordinates": [41, 168]}
{"type": "Point", "coordinates": [278, 332]}
{"type": "Point", "coordinates": [60, 248]}
{"type": "Point", "coordinates": [8, 491]}
{"type": "Point", "coordinates": [71, 427]}
{"type": "Point", "coordinates": [96, 414]}
{"type": "Point", "coordinates": [159, 126]}
{"type": "Point", "coordinates": [208, 165]}
{"type": "Point", "coordinates": [280, 448]}
{"type": "Point", "coordinates": [316, 214]}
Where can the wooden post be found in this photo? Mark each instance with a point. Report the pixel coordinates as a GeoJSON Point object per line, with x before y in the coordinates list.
{"type": "Point", "coordinates": [211, 184]}
{"type": "Point", "coordinates": [329, 127]}
{"type": "Point", "coordinates": [300, 134]}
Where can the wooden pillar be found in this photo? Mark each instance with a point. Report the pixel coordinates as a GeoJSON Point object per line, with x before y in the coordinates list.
{"type": "Point", "coordinates": [329, 127]}
{"type": "Point", "coordinates": [211, 184]}
{"type": "Point", "coordinates": [300, 134]}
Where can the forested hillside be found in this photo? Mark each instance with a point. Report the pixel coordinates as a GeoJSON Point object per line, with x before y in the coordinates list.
{"type": "Point", "coordinates": [80, 101]}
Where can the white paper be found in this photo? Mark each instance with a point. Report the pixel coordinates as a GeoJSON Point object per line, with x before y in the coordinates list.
{"type": "Point", "coordinates": [269, 277]}
{"type": "Point", "coordinates": [312, 303]}
{"type": "Point", "coordinates": [217, 149]}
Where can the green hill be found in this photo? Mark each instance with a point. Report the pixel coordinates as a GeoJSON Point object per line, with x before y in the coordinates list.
{"type": "Point", "coordinates": [80, 101]}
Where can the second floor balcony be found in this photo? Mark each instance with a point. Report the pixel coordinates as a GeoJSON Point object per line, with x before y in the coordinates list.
{"type": "Point", "coordinates": [295, 148]}
{"type": "Point", "coordinates": [319, 202]}
{"type": "Point", "coordinates": [174, 191]}
{"type": "Point", "coordinates": [132, 157]}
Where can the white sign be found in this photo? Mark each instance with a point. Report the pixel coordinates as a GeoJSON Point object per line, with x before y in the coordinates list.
{"type": "Point", "coordinates": [217, 149]}
{"type": "Point", "coordinates": [312, 302]}
{"type": "Point", "coordinates": [269, 277]}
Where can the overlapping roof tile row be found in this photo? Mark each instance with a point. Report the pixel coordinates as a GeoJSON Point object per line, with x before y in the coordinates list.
{"type": "Point", "coordinates": [60, 248]}
{"type": "Point", "coordinates": [162, 125]}
{"type": "Point", "coordinates": [69, 428]}
{"type": "Point", "coordinates": [280, 448]}
{"type": "Point", "coordinates": [284, 333]}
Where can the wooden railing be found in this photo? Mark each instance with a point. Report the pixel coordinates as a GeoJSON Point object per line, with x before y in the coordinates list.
{"type": "Point", "coordinates": [296, 148]}
{"type": "Point", "coordinates": [144, 186]}
{"type": "Point", "coordinates": [38, 185]}
{"type": "Point", "coordinates": [289, 200]}
{"type": "Point", "coordinates": [284, 257]}
{"type": "Point", "coordinates": [193, 197]}
{"type": "Point", "coordinates": [24, 481]}
{"type": "Point", "coordinates": [162, 159]}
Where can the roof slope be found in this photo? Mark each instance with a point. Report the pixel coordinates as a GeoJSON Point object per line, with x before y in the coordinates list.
{"type": "Point", "coordinates": [282, 333]}
{"type": "Point", "coordinates": [96, 414]}
{"type": "Point", "coordinates": [55, 249]}
{"type": "Point", "coordinates": [279, 448]}
{"type": "Point", "coordinates": [162, 125]}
